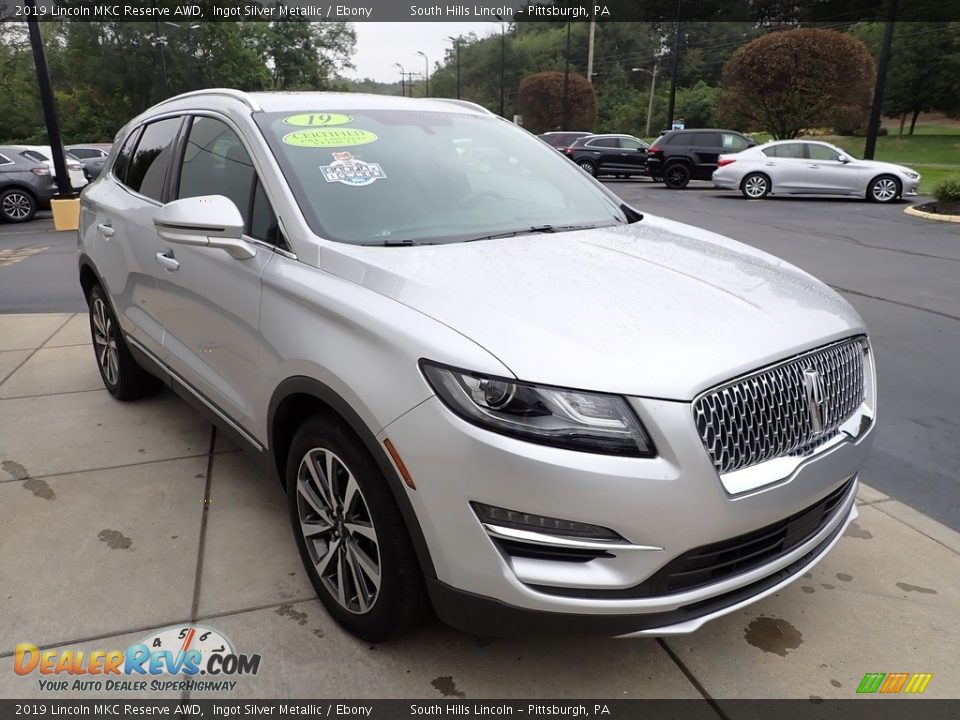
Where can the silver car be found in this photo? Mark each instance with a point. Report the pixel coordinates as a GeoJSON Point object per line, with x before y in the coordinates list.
{"type": "Point", "coordinates": [807, 167]}
{"type": "Point", "coordinates": [498, 391]}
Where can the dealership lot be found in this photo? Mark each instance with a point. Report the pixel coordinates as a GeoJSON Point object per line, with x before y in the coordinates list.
{"type": "Point", "coordinates": [118, 519]}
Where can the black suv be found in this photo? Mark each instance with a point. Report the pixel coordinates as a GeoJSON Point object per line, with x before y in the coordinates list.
{"type": "Point", "coordinates": [679, 156]}
{"type": "Point", "coordinates": [613, 154]}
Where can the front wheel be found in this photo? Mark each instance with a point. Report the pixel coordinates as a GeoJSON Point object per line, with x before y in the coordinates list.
{"type": "Point", "coordinates": [352, 539]}
{"type": "Point", "coordinates": [677, 176]}
{"type": "Point", "coordinates": [884, 189]}
{"type": "Point", "coordinates": [17, 205]}
{"type": "Point", "coordinates": [755, 186]}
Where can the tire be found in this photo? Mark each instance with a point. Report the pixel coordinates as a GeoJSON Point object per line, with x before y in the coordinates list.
{"type": "Point", "coordinates": [676, 176]}
{"type": "Point", "coordinates": [121, 375]}
{"type": "Point", "coordinates": [17, 205]}
{"type": "Point", "coordinates": [355, 549]}
{"type": "Point", "coordinates": [884, 189]}
{"type": "Point", "coordinates": [588, 167]}
{"type": "Point", "coordinates": [755, 186]}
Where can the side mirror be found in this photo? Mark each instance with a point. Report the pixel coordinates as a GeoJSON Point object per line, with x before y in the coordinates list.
{"type": "Point", "coordinates": [206, 221]}
{"type": "Point", "coordinates": [845, 158]}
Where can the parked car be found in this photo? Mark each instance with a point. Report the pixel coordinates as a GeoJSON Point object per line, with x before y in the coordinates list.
{"type": "Point", "coordinates": [806, 167]}
{"type": "Point", "coordinates": [44, 154]}
{"type": "Point", "coordinates": [93, 157]}
{"type": "Point", "coordinates": [25, 185]}
{"type": "Point", "coordinates": [619, 155]}
{"type": "Point", "coordinates": [562, 139]}
{"type": "Point", "coordinates": [679, 156]}
{"type": "Point", "coordinates": [510, 396]}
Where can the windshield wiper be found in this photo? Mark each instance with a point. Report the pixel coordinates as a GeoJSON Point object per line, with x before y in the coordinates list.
{"type": "Point", "coordinates": [535, 229]}
{"type": "Point", "coordinates": [398, 243]}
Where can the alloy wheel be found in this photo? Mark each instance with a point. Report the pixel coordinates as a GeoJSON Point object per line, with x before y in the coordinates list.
{"type": "Point", "coordinates": [587, 167]}
{"type": "Point", "coordinates": [17, 206]}
{"type": "Point", "coordinates": [676, 176]}
{"type": "Point", "coordinates": [885, 189]}
{"type": "Point", "coordinates": [755, 186]}
{"type": "Point", "coordinates": [104, 337]}
{"type": "Point", "coordinates": [338, 530]}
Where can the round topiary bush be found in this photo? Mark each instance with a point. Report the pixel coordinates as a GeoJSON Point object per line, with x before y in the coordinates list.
{"type": "Point", "coordinates": [948, 191]}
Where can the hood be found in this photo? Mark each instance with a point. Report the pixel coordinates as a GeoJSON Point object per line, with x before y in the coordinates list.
{"type": "Point", "coordinates": [655, 308]}
{"type": "Point", "coordinates": [879, 165]}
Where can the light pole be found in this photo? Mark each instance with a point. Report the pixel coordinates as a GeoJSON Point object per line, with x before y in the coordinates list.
{"type": "Point", "coordinates": [426, 73]}
{"type": "Point", "coordinates": [456, 44]}
{"type": "Point", "coordinates": [160, 41]}
{"type": "Point", "coordinates": [503, 58]}
{"type": "Point", "coordinates": [653, 87]}
{"type": "Point", "coordinates": [676, 70]}
{"type": "Point", "coordinates": [566, 83]}
{"type": "Point", "coordinates": [873, 127]}
{"type": "Point", "coordinates": [403, 79]}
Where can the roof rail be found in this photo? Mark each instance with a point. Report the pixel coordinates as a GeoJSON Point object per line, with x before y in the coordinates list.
{"type": "Point", "coordinates": [466, 104]}
{"type": "Point", "coordinates": [243, 97]}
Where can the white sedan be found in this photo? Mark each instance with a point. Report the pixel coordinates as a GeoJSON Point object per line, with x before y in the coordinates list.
{"type": "Point", "coordinates": [806, 167]}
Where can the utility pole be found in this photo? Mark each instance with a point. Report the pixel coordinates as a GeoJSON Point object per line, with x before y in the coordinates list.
{"type": "Point", "coordinates": [566, 83]}
{"type": "Point", "coordinates": [503, 61]}
{"type": "Point", "coordinates": [873, 128]}
{"type": "Point", "coordinates": [62, 179]}
{"type": "Point", "coordinates": [653, 89]}
{"type": "Point", "coordinates": [456, 44]}
{"type": "Point", "coordinates": [161, 42]}
{"type": "Point", "coordinates": [593, 28]}
{"type": "Point", "coordinates": [676, 70]}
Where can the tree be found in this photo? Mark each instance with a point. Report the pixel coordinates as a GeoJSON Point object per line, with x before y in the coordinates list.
{"type": "Point", "coordinates": [924, 73]}
{"type": "Point", "coordinates": [786, 81]}
{"type": "Point", "coordinates": [540, 102]}
{"type": "Point", "coordinates": [696, 105]}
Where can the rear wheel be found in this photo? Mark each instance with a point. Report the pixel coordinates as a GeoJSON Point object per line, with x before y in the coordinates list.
{"type": "Point", "coordinates": [755, 186]}
{"type": "Point", "coordinates": [17, 205]}
{"type": "Point", "coordinates": [884, 189]}
{"type": "Point", "coordinates": [121, 375]}
{"type": "Point", "coordinates": [352, 539]}
{"type": "Point", "coordinates": [676, 176]}
{"type": "Point", "coordinates": [588, 167]}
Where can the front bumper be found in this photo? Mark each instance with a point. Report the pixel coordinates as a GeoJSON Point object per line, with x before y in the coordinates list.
{"type": "Point", "coordinates": [664, 506]}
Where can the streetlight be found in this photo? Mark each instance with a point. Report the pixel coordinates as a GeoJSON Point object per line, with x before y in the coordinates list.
{"type": "Point", "coordinates": [653, 87]}
{"type": "Point", "coordinates": [566, 82]}
{"type": "Point", "coordinates": [503, 57]}
{"type": "Point", "coordinates": [160, 42]}
{"type": "Point", "coordinates": [403, 79]}
{"type": "Point", "coordinates": [456, 44]}
{"type": "Point", "coordinates": [426, 73]}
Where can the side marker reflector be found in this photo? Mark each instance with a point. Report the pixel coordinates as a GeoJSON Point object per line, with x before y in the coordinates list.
{"type": "Point", "coordinates": [404, 473]}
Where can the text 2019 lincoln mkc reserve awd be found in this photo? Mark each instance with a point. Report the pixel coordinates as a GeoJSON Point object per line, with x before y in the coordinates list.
{"type": "Point", "coordinates": [487, 385]}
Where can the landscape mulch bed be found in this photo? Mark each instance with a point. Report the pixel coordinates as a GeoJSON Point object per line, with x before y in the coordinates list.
{"type": "Point", "coordinates": [949, 208]}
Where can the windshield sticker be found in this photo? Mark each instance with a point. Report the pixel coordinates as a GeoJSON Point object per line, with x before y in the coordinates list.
{"type": "Point", "coordinates": [317, 119]}
{"type": "Point", "coordinates": [329, 137]}
{"type": "Point", "coordinates": [347, 170]}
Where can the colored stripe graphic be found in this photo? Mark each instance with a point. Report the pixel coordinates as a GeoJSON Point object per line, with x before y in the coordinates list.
{"type": "Point", "coordinates": [894, 682]}
{"type": "Point", "coordinates": [871, 682]}
{"type": "Point", "coordinates": [918, 682]}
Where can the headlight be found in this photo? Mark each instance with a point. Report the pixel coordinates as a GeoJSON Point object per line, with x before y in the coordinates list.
{"type": "Point", "coordinates": [572, 419]}
{"type": "Point", "coordinates": [912, 175]}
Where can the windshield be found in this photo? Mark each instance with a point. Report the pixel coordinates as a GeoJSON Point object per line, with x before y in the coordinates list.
{"type": "Point", "coordinates": [396, 177]}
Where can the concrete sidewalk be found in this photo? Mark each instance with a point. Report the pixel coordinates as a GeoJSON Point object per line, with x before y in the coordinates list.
{"type": "Point", "coordinates": [117, 519]}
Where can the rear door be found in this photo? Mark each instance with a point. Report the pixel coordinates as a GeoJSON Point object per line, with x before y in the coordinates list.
{"type": "Point", "coordinates": [605, 153]}
{"type": "Point", "coordinates": [706, 147]}
{"type": "Point", "coordinates": [633, 154]}
{"type": "Point", "coordinates": [120, 236]}
{"type": "Point", "coordinates": [787, 167]}
{"type": "Point", "coordinates": [210, 301]}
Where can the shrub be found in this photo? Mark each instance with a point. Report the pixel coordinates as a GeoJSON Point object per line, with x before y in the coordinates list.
{"type": "Point", "coordinates": [948, 191]}
{"type": "Point", "coordinates": [540, 102]}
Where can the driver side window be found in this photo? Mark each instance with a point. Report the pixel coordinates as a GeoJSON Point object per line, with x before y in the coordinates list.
{"type": "Point", "coordinates": [823, 153]}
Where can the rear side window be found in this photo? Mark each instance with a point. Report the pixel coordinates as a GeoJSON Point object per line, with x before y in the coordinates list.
{"type": "Point", "coordinates": [786, 150]}
{"type": "Point", "coordinates": [4, 160]}
{"type": "Point", "coordinates": [122, 163]}
{"type": "Point", "coordinates": [705, 139]}
{"type": "Point", "coordinates": [215, 162]}
{"type": "Point", "coordinates": [151, 160]}
{"type": "Point", "coordinates": [605, 142]}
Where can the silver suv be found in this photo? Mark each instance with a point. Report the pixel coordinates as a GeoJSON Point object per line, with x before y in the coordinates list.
{"type": "Point", "coordinates": [490, 387]}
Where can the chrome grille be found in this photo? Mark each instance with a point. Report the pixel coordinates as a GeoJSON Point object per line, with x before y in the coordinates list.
{"type": "Point", "coordinates": [768, 415]}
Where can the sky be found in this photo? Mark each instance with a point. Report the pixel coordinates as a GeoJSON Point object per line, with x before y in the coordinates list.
{"type": "Point", "coordinates": [380, 45]}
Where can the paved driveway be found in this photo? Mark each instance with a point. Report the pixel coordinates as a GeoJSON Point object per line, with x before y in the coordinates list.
{"type": "Point", "coordinates": [117, 519]}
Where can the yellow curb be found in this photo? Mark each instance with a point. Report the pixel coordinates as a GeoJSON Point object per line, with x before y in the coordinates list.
{"type": "Point", "coordinates": [912, 210]}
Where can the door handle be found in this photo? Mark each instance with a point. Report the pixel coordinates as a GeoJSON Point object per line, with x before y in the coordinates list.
{"type": "Point", "coordinates": [106, 229]}
{"type": "Point", "coordinates": [170, 263]}
{"type": "Point", "coordinates": [815, 167]}
{"type": "Point", "coordinates": [770, 164]}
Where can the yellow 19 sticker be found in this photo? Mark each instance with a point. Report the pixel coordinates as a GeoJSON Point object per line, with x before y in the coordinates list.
{"type": "Point", "coordinates": [317, 119]}
{"type": "Point", "coordinates": [329, 137]}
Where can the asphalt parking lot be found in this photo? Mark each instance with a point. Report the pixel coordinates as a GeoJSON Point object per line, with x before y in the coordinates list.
{"type": "Point", "coordinates": [118, 519]}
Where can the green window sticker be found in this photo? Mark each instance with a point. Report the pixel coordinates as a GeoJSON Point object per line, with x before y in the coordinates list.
{"type": "Point", "coordinates": [317, 119]}
{"type": "Point", "coordinates": [329, 137]}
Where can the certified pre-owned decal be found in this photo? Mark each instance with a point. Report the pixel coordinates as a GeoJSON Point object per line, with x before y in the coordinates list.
{"type": "Point", "coordinates": [329, 137]}
{"type": "Point", "coordinates": [346, 169]}
{"type": "Point", "coordinates": [317, 119]}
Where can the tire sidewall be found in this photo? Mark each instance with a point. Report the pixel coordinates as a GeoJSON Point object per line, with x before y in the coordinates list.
{"type": "Point", "coordinates": [394, 609]}
{"type": "Point", "coordinates": [743, 186]}
{"type": "Point", "coordinates": [588, 167]}
{"type": "Point", "coordinates": [873, 185]}
{"type": "Point", "coordinates": [96, 293]}
{"type": "Point", "coordinates": [672, 168]}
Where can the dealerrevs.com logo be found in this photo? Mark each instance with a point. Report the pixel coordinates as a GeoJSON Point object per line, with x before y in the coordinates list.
{"type": "Point", "coordinates": [151, 664]}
